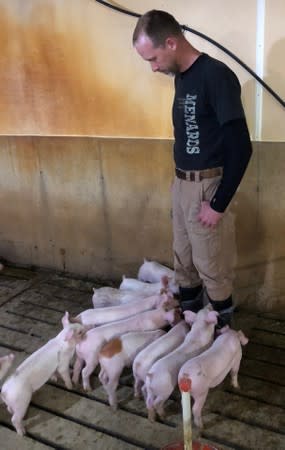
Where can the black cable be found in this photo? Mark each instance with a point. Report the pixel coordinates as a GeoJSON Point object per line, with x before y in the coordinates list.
{"type": "Point", "coordinates": [212, 41]}
{"type": "Point", "coordinates": [239, 61]}
{"type": "Point", "coordinates": [117, 8]}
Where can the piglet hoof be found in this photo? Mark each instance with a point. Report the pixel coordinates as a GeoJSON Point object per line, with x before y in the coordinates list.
{"type": "Point", "coordinates": [21, 431]}
{"type": "Point", "coordinates": [198, 422]}
{"type": "Point", "coordinates": [234, 381]}
{"type": "Point", "coordinates": [87, 388]}
{"type": "Point", "coordinates": [151, 415]}
{"type": "Point", "coordinates": [162, 415]}
{"type": "Point", "coordinates": [75, 381]}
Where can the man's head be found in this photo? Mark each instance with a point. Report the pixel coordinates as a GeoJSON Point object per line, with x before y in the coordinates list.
{"type": "Point", "coordinates": [156, 38]}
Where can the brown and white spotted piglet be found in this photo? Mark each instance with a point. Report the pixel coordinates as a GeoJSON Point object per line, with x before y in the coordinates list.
{"type": "Point", "coordinates": [119, 353]}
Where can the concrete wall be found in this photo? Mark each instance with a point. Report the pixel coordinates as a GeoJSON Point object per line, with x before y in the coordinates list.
{"type": "Point", "coordinates": [96, 207]}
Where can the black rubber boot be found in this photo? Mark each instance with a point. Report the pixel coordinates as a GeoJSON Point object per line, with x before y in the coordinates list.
{"type": "Point", "coordinates": [225, 308]}
{"type": "Point", "coordinates": [226, 317]}
{"type": "Point", "coordinates": [191, 299]}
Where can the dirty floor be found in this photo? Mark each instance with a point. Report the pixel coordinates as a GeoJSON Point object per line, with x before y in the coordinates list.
{"type": "Point", "coordinates": [31, 306]}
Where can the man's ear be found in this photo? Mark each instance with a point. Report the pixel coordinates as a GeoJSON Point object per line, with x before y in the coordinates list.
{"type": "Point", "coordinates": [171, 43]}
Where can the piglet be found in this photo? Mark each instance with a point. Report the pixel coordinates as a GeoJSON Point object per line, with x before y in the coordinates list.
{"type": "Point", "coordinates": [209, 369]}
{"type": "Point", "coordinates": [119, 353]}
{"type": "Point", "coordinates": [150, 288]}
{"type": "Point", "coordinates": [87, 351]}
{"type": "Point", "coordinates": [5, 364]}
{"type": "Point", "coordinates": [161, 379]}
{"type": "Point", "coordinates": [152, 271]}
{"type": "Point", "coordinates": [156, 350]}
{"type": "Point", "coordinates": [108, 296]}
{"type": "Point", "coordinates": [104, 315]}
{"type": "Point", "coordinates": [38, 368]}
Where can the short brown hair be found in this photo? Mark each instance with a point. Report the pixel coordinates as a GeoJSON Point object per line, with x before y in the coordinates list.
{"type": "Point", "coordinates": [158, 26]}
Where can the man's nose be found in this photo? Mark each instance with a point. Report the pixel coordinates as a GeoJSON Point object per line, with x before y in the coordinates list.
{"type": "Point", "coordinates": [154, 66]}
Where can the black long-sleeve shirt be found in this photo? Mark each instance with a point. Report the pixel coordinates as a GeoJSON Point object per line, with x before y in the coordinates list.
{"type": "Point", "coordinates": [237, 154]}
{"type": "Point", "coordinates": [209, 125]}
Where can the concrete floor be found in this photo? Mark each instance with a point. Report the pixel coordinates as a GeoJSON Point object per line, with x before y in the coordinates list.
{"type": "Point", "coordinates": [31, 306]}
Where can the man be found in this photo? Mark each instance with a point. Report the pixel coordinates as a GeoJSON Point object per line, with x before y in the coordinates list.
{"type": "Point", "coordinates": [211, 151]}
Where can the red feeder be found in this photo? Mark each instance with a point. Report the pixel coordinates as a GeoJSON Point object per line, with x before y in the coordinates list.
{"type": "Point", "coordinates": [187, 444]}
{"type": "Point", "coordinates": [195, 446]}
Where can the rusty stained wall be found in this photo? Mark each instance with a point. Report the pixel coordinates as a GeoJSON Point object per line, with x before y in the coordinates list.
{"type": "Point", "coordinates": [68, 66]}
{"type": "Point", "coordinates": [65, 72]}
{"type": "Point", "coordinates": [96, 207]}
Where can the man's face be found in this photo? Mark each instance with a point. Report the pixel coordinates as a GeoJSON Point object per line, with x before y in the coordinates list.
{"type": "Point", "coordinates": [161, 59]}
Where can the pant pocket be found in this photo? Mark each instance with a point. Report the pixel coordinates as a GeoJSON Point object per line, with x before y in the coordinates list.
{"type": "Point", "coordinates": [209, 187]}
{"type": "Point", "coordinates": [206, 242]}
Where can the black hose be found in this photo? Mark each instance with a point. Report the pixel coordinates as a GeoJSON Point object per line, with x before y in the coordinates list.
{"type": "Point", "coordinates": [117, 8]}
{"type": "Point", "coordinates": [212, 41]}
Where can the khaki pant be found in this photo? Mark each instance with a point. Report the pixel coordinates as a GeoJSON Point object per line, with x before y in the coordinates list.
{"type": "Point", "coordinates": [201, 253]}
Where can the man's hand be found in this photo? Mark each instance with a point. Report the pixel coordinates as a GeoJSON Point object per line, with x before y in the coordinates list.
{"type": "Point", "coordinates": [208, 216]}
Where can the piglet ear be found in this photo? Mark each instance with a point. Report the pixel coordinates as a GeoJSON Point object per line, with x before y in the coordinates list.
{"type": "Point", "coordinates": [65, 319]}
{"type": "Point", "coordinates": [212, 317]}
{"type": "Point", "coordinates": [75, 320]}
{"type": "Point", "coordinates": [225, 329]}
{"type": "Point", "coordinates": [243, 339]}
{"type": "Point", "coordinates": [69, 335]}
{"type": "Point", "coordinates": [163, 298]}
{"type": "Point", "coordinates": [164, 281]}
{"type": "Point", "coordinates": [173, 317]}
{"type": "Point", "coordinates": [189, 317]}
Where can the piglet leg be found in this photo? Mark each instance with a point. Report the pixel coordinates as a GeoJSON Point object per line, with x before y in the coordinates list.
{"type": "Point", "coordinates": [111, 388]}
{"type": "Point", "coordinates": [234, 372]}
{"type": "Point", "coordinates": [199, 401]}
{"type": "Point", "coordinates": [65, 375]}
{"type": "Point", "coordinates": [151, 414]}
{"type": "Point", "coordinates": [159, 407]}
{"type": "Point", "coordinates": [77, 369]}
{"type": "Point", "coordinates": [87, 371]}
{"type": "Point", "coordinates": [138, 387]}
{"type": "Point", "coordinates": [19, 411]}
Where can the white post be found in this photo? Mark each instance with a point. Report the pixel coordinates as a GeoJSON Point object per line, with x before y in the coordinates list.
{"type": "Point", "coordinates": [185, 388]}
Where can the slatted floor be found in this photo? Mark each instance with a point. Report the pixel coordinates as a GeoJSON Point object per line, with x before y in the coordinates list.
{"type": "Point", "coordinates": [31, 306]}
